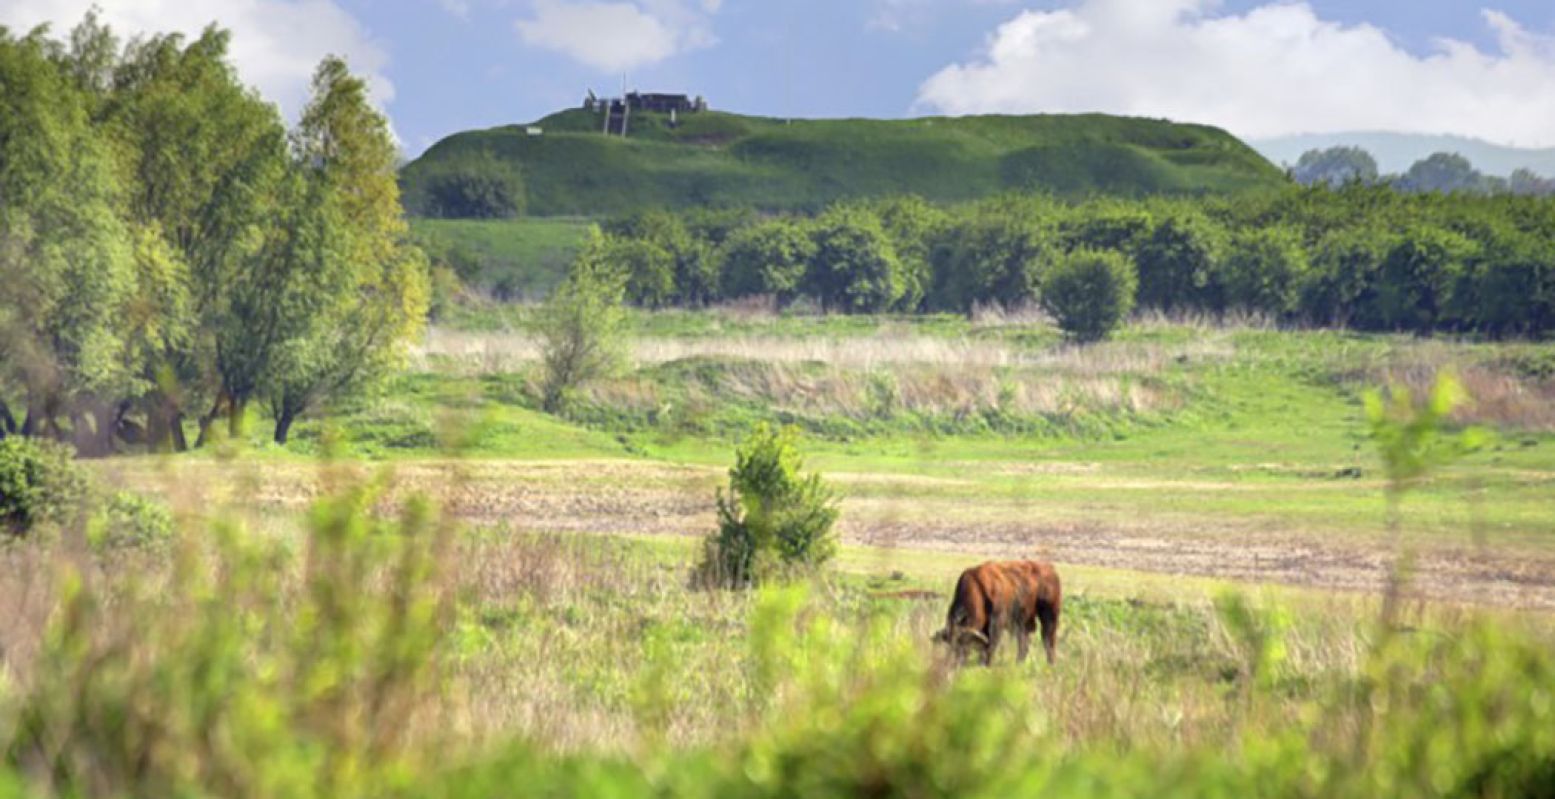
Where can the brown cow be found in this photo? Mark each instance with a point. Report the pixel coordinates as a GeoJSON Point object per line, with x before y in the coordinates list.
{"type": "Point", "coordinates": [997, 595]}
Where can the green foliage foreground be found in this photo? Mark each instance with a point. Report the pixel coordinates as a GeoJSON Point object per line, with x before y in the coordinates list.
{"type": "Point", "coordinates": [249, 667]}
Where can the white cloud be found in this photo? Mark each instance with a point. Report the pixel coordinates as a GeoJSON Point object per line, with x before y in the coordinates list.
{"type": "Point", "coordinates": [276, 44]}
{"type": "Point", "coordinates": [619, 36]}
{"type": "Point", "coordinates": [1276, 69]}
{"type": "Point", "coordinates": [458, 8]}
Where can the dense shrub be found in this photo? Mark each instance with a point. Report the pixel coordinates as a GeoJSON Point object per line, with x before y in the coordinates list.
{"type": "Point", "coordinates": [1417, 279]}
{"type": "Point", "coordinates": [983, 259]}
{"type": "Point", "coordinates": [1343, 274]}
{"type": "Point", "coordinates": [774, 519]}
{"type": "Point", "coordinates": [131, 520]}
{"type": "Point", "coordinates": [647, 268]}
{"type": "Point", "coordinates": [855, 268]}
{"type": "Point", "coordinates": [1090, 293]}
{"type": "Point", "coordinates": [1178, 262]}
{"type": "Point", "coordinates": [1264, 270]}
{"type": "Point", "coordinates": [1364, 256]}
{"type": "Point", "coordinates": [40, 483]}
{"type": "Point", "coordinates": [769, 258]}
{"type": "Point", "coordinates": [477, 185]}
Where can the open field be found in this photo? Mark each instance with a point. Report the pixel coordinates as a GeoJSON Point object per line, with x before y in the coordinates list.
{"type": "Point", "coordinates": [1209, 493]}
{"type": "Point", "coordinates": [1188, 449]}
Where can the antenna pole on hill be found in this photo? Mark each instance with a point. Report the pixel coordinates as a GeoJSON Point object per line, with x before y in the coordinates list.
{"type": "Point", "coordinates": [626, 107]}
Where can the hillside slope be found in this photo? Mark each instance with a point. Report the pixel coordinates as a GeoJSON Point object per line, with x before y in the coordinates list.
{"type": "Point", "coordinates": [722, 159]}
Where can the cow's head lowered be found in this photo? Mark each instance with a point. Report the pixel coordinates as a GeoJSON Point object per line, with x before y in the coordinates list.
{"type": "Point", "coordinates": [962, 636]}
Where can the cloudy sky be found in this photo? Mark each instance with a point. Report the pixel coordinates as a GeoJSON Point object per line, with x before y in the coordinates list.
{"type": "Point", "coordinates": [1260, 68]}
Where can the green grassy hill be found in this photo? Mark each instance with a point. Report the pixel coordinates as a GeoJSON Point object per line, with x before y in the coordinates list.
{"type": "Point", "coordinates": [723, 159]}
{"type": "Point", "coordinates": [510, 258]}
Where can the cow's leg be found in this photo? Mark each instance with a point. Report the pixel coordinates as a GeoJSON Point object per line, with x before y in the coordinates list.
{"type": "Point", "coordinates": [1047, 613]}
{"type": "Point", "coordinates": [1023, 640]}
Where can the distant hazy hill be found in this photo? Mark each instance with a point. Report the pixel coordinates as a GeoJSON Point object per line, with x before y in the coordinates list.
{"type": "Point", "coordinates": [724, 159]}
{"type": "Point", "coordinates": [1395, 152]}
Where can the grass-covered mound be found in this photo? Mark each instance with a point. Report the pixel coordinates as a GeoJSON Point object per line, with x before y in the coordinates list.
{"type": "Point", "coordinates": [718, 159]}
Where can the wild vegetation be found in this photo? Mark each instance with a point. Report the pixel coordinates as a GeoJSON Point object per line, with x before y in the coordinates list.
{"type": "Point", "coordinates": [688, 527]}
{"type": "Point", "coordinates": [1361, 257]}
{"type": "Point", "coordinates": [350, 651]}
{"type": "Point", "coordinates": [172, 253]}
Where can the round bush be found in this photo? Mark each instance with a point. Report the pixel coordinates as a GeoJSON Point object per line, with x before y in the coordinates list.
{"type": "Point", "coordinates": [1090, 293]}
{"type": "Point", "coordinates": [131, 520]}
{"type": "Point", "coordinates": [39, 483]}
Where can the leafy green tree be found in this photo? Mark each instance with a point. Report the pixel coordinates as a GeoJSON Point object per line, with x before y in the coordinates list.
{"type": "Point", "coordinates": [716, 225]}
{"type": "Point", "coordinates": [360, 291]}
{"type": "Point", "coordinates": [774, 518]}
{"type": "Point", "coordinates": [695, 268]}
{"type": "Point", "coordinates": [206, 162]}
{"type": "Point", "coordinates": [855, 269]}
{"type": "Point", "coordinates": [1525, 181]}
{"type": "Point", "coordinates": [64, 252]}
{"type": "Point", "coordinates": [1090, 293]}
{"type": "Point", "coordinates": [163, 328]}
{"type": "Point", "coordinates": [1179, 260]}
{"type": "Point", "coordinates": [1264, 270]}
{"type": "Point", "coordinates": [579, 326]}
{"type": "Point", "coordinates": [1443, 172]}
{"type": "Point", "coordinates": [767, 258]}
{"type": "Point", "coordinates": [989, 256]}
{"type": "Point", "coordinates": [1345, 265]}
{"type": "Point", "coordinates": [649, 270]}
{"type": "Point", "coordinates": [1509, 287]}
{"type": "Point", "coordinates": [1335, 166]}
{"type": "Point", "coordinates": [1416, 280]}
{"type": "Point", "coordinates": [913, 226]}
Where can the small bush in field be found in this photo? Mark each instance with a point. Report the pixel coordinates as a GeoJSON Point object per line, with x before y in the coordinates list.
{"type": "Point", "coordinates": [1090, 292]}
{"type": "Point", "coordinates": [774, 519]}
{"type": "Point", "coordinates": [131, 520]}
{"type": "Point", "coordinates": [39, 482]}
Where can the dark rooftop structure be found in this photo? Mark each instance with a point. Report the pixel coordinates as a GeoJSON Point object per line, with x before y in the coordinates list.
{"type": "Point", "coordinates": [618, 110]}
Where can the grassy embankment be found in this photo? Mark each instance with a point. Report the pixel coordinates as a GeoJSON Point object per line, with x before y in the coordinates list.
{"type": "Point", "coordinates": [721, 160]}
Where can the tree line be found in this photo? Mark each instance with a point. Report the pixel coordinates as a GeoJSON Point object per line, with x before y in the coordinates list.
{"type": "Point", "coordinates": [1365, 257]}
{"type": "Point", "coordinates": [1439, 172]}
{"type": "Point", "coordinates": [173, 253]}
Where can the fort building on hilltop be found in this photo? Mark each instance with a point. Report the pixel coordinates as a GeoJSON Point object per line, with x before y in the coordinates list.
{"type": "Point", "coordinates": [616, 112]}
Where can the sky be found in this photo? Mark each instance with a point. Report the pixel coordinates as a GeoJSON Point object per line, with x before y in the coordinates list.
{"type": "Point", "coordinates": [1259, 68]}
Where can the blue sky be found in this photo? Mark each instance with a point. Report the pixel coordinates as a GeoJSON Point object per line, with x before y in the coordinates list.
{"type": "Point", "coordinates": [1257, 68]}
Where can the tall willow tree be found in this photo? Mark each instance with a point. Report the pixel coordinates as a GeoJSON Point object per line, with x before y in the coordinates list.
{"type": "Point", "coordinates": [358, 291]}
{"type": "Point", "coordinates": [65, 266]}
{"type": "Point", "coordinates": [205, 162]}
